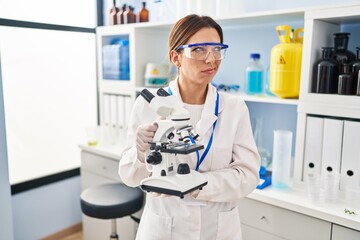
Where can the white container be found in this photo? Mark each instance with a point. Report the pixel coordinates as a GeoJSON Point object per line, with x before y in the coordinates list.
{"type": "Point", "coordinates": [281, 165]}
{"type": "Point", "coordinates": [156, 74]}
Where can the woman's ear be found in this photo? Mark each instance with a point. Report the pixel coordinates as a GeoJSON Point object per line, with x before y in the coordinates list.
{"type": "Point", "coordinates": [175, 58]}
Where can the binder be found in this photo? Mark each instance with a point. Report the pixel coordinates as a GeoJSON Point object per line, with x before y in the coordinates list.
{"type": "Point", "coordinates": [313, 146]}
{"type": "Point", "coordinates": [332, 146]}
{"type": "Point", "coordinates": [350, 162]}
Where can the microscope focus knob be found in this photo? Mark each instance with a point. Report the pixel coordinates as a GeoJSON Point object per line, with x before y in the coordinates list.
{"type": "Point", "coordinates": [154, 158]}
{"type": "Point", "coordinates": [183, 168]}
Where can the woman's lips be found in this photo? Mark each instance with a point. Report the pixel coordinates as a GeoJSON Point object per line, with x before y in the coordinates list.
{"type": "Point", "coordinates": [209, 70]}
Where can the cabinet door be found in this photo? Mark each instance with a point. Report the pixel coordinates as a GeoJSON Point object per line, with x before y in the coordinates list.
{"type": "Point", "coordinates": [250, 233]}
{"type": "Point", "coordinates": [281, 222]}
{"type": "Point", "coordinates": [99, 165]}
{"type": "Point", "coordinates": [341, 233]}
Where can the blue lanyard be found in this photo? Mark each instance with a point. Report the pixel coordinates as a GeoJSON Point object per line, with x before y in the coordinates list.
{"type": "Point", "coordinates": [201, 159]}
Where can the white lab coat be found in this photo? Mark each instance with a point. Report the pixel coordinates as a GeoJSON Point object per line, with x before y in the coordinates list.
{"type": "Point", "coordinates": [231, 167]}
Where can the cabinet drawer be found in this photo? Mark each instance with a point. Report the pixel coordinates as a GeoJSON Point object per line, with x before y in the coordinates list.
{"type": "Point", "coordinates": [282, 222]}
{"type": "Point", "coordinates": [341, 233]}
{"type": "Point", "coordinates": [100, 165]}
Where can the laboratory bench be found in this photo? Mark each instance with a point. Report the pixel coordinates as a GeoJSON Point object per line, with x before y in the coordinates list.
{"type": "Point", "coordinates": [269, 213]}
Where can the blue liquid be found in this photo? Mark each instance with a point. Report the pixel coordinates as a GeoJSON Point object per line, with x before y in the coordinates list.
{"type": "Point", "coordinates": [254, 82]}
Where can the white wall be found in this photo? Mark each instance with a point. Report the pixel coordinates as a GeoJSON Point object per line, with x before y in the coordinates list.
{"type": "Point", "coordinates": [6, 225]}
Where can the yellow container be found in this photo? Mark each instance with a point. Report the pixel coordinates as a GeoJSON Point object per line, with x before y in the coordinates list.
{"type": "Point", "coordinates": [285, 63]}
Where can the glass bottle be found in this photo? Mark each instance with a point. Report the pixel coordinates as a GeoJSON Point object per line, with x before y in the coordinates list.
{"type": "Point", "coordinates": [341, 53]}
{"type": "Point", "coordinates": [265, 154]}
{"type": "Point", "coordinates": [355, 65]}
{"type": "Point", "coordinates": [120, 15]}
{"type": "Point", "coordinates": [131, 16]}
{"type": "Point", "coordinates": [346, 81]}
{"type": "Point", "coordinates": [254, 79]}
{"type": "Point", "coordinates": [326, 73]}
{"type": "Point", "coordinates": [358, 83]}
{"type": "Point", "coordinates": [125, 14]}
{"type": "Point", "coordinates": [112, 15]}
{"type": "Point", "coordinates": [144, 13]}
{"type": "Point", "coordinates": [267, 82]}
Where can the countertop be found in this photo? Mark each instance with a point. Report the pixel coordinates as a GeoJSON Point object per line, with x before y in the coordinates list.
{"type": "Point", "coordinates": [293, 199]}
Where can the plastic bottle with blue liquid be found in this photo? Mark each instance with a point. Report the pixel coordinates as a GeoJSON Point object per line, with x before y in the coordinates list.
{"type": "Point", "coordinates": [254, 76]}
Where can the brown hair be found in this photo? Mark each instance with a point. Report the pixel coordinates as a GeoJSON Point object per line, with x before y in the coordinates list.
{"type": "Point", "coordinates": [187, 26]}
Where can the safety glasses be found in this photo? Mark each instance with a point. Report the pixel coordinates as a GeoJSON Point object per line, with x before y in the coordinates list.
{"type": "Point", "coordinates": [201, 51]}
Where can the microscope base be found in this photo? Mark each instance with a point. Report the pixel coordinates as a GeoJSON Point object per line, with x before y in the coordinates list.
{"type": "Point", "coordinates": [176, 185]}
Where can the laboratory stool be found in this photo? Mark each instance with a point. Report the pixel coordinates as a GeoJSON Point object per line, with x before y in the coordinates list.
{"type": "Point", "coordinates": [111, 201]}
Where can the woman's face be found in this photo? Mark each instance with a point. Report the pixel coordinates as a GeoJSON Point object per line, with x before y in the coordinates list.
{"type": "Point", "coordinates": [200, 72]}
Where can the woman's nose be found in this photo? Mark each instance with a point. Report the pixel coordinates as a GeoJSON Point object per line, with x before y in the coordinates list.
{"type": "Point", "coordinates": [210, 57]}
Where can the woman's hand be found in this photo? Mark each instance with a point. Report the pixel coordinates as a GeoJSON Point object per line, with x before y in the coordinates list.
{"type": "Point", "coordinates": [144, 135]}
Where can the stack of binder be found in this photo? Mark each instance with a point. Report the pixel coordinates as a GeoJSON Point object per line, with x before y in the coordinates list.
{"type": "Point", "coordinates": [332, 146]}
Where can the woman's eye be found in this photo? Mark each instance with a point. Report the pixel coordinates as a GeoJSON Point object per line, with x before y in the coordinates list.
{"type": "Point", "coordinates": [199, 49]}
{"type": "Point", "coordinates": [217, 49]}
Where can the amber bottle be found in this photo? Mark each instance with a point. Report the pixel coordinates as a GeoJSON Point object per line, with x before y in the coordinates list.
{"type": "Point", "coordinates": [120, 15]}
{"type": "Point", "coordinates": [131, 16]}
{"type": "Point", "coordinates": [144, 13]}
{"type": "Point", "coordinates": [112, 15]}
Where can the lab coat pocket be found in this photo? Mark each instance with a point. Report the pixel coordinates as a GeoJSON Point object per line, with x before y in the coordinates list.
{"type": "Point", "coordinates": [221, 158]}
{"type": "Point", "coordinates": [229, 227]}
{"type": "Point", "coordinates": [154, 227]}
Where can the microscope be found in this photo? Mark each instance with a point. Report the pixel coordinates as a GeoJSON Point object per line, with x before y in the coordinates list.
{"type": "Point", "coordinates": [174, 136]}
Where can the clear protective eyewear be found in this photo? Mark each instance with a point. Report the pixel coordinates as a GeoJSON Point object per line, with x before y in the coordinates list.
{"type": "Point", "coordinates": [201, 51]}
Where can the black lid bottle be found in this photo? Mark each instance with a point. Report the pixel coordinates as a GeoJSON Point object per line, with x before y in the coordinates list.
{"type": "Point", "coordinates": [355, 69]}
{"type": "Point", "coordinates": [341, 53]}
{"type": "Point", "coordinates": [326, 73]}
{"type": "Point", "coordinates": [346, 81]}
{"type": "Point", "coordinates": [112, 15]}
{"type": "Point", "coordinates": [355, 65]}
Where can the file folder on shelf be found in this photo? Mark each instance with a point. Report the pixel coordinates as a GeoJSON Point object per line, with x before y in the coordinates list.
{"type": "Point", "coordinates": [332, 146]}
{"type": "Point", "coordinates": [350, 162]}
{"type": "Point", "coordinates": [313, 146]}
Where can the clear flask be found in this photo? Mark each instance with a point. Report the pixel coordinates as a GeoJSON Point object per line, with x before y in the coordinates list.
{"type": "Point", "coordinates": [264, 153]}
{"type": "Point", "coordinates": [254, 76]}
{"type": "Point", "coordinates": [267, 82]}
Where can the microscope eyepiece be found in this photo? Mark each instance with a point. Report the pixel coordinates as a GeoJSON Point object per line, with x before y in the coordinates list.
{"type": "Point", "coordinates": [147, 95]}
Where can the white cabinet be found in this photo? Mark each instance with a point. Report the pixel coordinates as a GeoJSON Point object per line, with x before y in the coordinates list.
{"type": "Point", "coordinates": [320, 25]}
{"type": "Point", "coordinates": [341, 233]}
{"type": "Point", "coordinates": [263, 221]}
{"type": "Point", "coordinates": [95, 170]}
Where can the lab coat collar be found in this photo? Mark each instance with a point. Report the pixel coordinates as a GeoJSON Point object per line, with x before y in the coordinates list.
{"type": "Point", "coordinates": [208, 116]}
